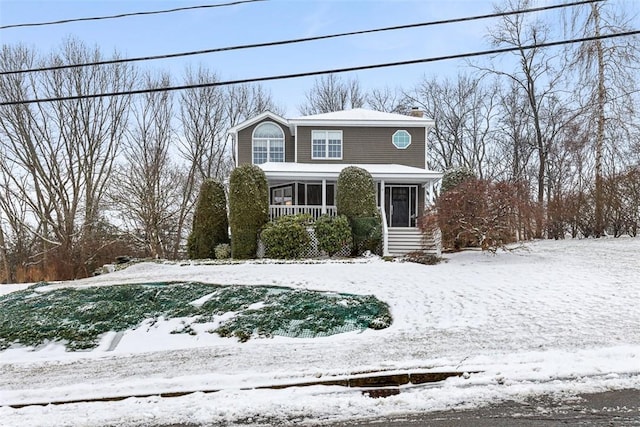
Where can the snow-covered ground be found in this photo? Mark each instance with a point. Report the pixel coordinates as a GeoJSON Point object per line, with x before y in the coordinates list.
{"type": "Point", "coordinates": [553, 317]}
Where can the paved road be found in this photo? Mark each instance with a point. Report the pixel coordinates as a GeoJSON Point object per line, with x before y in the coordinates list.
{"type": "Point", "coordinates": [615, 408]}
{"type": "Point", "coordinates": [612, 409]}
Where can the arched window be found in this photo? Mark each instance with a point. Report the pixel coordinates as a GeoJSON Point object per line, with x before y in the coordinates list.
{"type": "Point", "coordinates": [268, 143]}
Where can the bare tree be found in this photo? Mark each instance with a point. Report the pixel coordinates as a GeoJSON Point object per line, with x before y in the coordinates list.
{"type": "Point", "coordinates": [148, 191]}
{"type": "Point", "coordinates": [463, 110]}
{"type": "Point", "coordinates": [389, 100]}
{"type": "Point", "coordinates": [60, 155]}
{"type": "Point", "coordinates": [535, 75]}
{"type": "Point", "coordinates": [332, 93]}
{"type": "Point", "coordinates": [607, 79]}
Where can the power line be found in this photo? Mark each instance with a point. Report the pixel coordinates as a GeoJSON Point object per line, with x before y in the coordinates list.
{"type": "Point", "coordinates": [124, 15]}
{"type": "Point", "coordinates": [331, 71]}
{"type": "Point", "coordinates": [305, 39]}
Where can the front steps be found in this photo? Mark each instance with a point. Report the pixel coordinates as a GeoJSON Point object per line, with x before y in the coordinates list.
{"type": "Point", "coordinates": [404, 240]}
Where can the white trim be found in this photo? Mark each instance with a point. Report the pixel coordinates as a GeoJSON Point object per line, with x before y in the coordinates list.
{"type": "Point", "coordinates": [295, 144]}
{"type": "Point", "coordinates": [330, 171]}
{"type": "Point", "coordinates": [326, 144]}
{"type": "Point", "coordinates": [268, 140]}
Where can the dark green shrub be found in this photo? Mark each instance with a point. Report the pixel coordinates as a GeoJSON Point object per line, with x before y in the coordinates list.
{"type": "Point", "coordinates": [454, 177]}
{"type": "Point", "coordinates": [356, 199]}
{"type": "Point", "coordinates": [333, 233]}
{"type": "Point", "coordinates": [248, 209]}
{"type": "Point", "coordinates": [210, 224]}
{"type": "Point", "coordinates": [356, 193]}
{"type": "Point", "coordinates": [286, 237]}
{"type": "Point", "coordinates": [367, 234]}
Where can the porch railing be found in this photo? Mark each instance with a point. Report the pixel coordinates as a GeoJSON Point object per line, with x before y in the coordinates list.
{"type": "Point", "coordinates": [276, 211]}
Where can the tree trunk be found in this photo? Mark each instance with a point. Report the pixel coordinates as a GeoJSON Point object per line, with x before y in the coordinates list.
{"type": "Point", "coordinates": [599, 191]}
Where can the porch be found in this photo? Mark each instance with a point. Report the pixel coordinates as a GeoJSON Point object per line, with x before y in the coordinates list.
{"type": "Point", "coordinates": [402, 193]}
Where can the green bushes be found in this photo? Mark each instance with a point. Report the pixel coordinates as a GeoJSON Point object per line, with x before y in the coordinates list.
{"type": "Point", "coordinates": [367, 234]}
{"type": "Point", "coordinates": [286, 237]}
{"type": "Point", "coordinates": [356, 193]}
{"type": "Point", "coordinates": [223, 251]}
{"type": "Point", "coordinates": [356, 199]}
{"type": "Point", "coordinates": [333, 233]}
{"type": "Point", "coordinates": [249, 209]}
{"type": "Point", "coordinates": [210, 224]}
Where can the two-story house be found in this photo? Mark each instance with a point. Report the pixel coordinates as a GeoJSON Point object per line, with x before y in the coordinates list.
{"type": "Point", "coordinates": [303, 156]}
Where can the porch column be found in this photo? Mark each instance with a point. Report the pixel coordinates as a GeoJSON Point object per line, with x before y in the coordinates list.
{"type": "Point", "coordinates": [324, 196]}
{"type": "Point", "coordinates": [385, 226]}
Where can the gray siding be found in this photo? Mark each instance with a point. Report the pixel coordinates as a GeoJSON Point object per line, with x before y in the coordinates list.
{"type": "Point", "coordinates": [244, 142]}
{"type": "Point", "coordinates": [367, 145]}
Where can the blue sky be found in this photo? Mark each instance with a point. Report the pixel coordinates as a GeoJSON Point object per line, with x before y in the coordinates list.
{"type": "Point", "coordinates": [267, 21]}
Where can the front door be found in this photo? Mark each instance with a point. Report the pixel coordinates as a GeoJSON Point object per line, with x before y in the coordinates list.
{"type": "Point", "coordinates": [401, 205]}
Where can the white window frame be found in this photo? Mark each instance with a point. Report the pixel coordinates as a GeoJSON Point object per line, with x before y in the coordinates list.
{"type": "Point", "coordinates": [393, 139]}
{"type": "Point", "coordinates": [268, 141]}
{"type": "Point", "coordinates": [326, 144]}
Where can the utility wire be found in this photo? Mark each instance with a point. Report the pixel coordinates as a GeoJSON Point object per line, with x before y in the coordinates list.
{"type": "Point", "coordinates": [330, 71]}
{"type": "Point", "coordinates": [305, 39]}
{"type": "Point", "coordinates": [124, 15]}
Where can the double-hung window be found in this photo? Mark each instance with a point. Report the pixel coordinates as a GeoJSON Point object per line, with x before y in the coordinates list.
{"type": "Point", "coordinates": [326, 144]}
{"type": "Point", "coordinates": [268, 143]}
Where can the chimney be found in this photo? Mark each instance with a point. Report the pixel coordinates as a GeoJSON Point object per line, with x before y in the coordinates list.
{"type": "Point", "coordinates": [416, 112]}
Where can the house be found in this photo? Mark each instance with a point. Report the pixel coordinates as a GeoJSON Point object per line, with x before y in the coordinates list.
{"type": "Point", "coordinates": [303, 156]}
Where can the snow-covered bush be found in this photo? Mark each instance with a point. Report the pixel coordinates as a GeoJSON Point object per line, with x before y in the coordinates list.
{"type": "Point", "coordinates": [454, 177]}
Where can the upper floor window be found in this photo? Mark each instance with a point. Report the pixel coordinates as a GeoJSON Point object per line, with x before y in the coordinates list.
{"type": "Point", "coordinates": [326, 144]}
{"type": "Point", "coordinates": [268, 143]}
{"type": "Point", "coordinates": [401, 139]}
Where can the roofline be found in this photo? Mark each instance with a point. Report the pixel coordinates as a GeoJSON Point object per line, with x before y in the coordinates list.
{"type": "Point", "coordinates": [364, 123]}
{"type": "Point", "coordinates": [256, 119]}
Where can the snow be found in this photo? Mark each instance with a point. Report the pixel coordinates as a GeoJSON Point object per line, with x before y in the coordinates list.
{"type": "Point", "coordinates": [553, 317]}
{"type": "Point", "coordinates": [359, 114]}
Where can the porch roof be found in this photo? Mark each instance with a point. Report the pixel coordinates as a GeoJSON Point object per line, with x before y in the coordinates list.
{"type": "Point", "coordinates": [316, 171]}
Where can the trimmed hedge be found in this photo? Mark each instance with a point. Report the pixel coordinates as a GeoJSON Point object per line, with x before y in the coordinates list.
{"type": "Point", "coordinates": [286, 237]}
{"type": "Point", "coordinates": [249, 209]}
{"type": "Point", "coordinates": [356, 193]}
{"type": "Point", "coordinates": [333, 233]}
{"type": "Point", "coordinates": [210, 224]}
{"type": "Point", "coordinates": [356, 199]}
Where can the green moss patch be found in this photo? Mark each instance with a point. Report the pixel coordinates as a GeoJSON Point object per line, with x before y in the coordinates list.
{"type": "Point", "coordinates": [79, 316]}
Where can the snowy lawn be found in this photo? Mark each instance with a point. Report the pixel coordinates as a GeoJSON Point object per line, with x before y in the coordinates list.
{"type": "Point", "coordinates": [557, 316]}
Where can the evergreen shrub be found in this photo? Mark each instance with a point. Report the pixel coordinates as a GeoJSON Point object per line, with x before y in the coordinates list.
{"type": "Point", "coordinates": [333, 233]}
{"type": "Point", "coordinates": [356, 199]}
{"type": "Point", "coordinates": [223, 251]}
{"type": "Point", "coordinates": [248, 209]}
{"type": "Point", "coordinates": [356, 193]}
{"type": "Point", "coordinates": [210, 224]}
{"type": "Point", "coordinates": [286, 237]}
{"type": "Point", "coordinates": [367, 234]}
{"type": "Point", "coordinates": [454, 177]}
